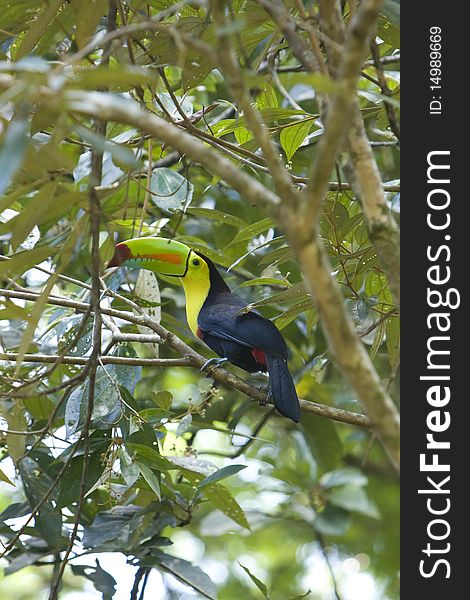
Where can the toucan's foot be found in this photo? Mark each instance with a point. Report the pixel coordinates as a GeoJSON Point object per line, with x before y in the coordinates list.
{"type": "Point", "coordinates": [213, 361]}
{"type": "Point", "coordinates": [269, 395]}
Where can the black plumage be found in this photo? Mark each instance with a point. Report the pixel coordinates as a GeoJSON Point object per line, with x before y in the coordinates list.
{"type": "Point", "coordinates": [247, 340]}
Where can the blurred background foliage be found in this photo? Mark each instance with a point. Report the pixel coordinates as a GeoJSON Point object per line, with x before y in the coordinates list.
{"type": "Point", "coordinates": [215, 495]}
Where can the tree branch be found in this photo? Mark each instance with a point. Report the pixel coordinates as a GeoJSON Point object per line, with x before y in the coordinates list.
{"type": "Point", "coordinates": [105, 360]}
{"type": "Point", "coordinates": [189, 358]}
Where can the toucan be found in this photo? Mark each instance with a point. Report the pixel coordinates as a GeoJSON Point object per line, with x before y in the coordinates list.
{"type": "Point", "coordinates": [216, 315]}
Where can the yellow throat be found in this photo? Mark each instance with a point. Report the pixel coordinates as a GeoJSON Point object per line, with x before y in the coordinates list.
{"type": "Point", "coordinates": [196, 285]}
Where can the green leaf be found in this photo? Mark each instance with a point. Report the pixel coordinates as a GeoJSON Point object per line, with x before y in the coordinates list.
{"type": "Point", "coordinates": [23, 223]}
{"type": "Point", "coordinates": [14, 416]}
{"type": "Point", "coordinates": [154, 459]}
{"type": "Point", "coordinates": [267, 98]}
{"type": "Point", "coordinates": [75, 410]}
{"type": "Point", "coordinates": [292, 137]}
{"type": "Point", "coordinates": [266, 281]}
{"type": "Point", "coordinates": [22, 261]}
{"type": "Point", "coordinates": [102, 581]}
{"type": "Point", "coordinates": [170, 190]}
{"type": "Point", "coordinates": [389, 33]}
{"type": "Point", "coordinates": [378, 338]}
{"type": "Point", "coordinates": [259, 584]}
{"type": "Point", "coordinates": [49, 524]}
{"type": "Point", "coordinates": [254, 249]}
{"type": "Point", "coordinates": [300, 596]}
{"type": "Point", "coordinates": [343, 476]}
{"type": "Point", "coordinates": [147, 290]}
{"type": "Point", "coordinates": [217, 215]}
{"type": "Point", "coordinates": [244, 135]}
{"type": "Point", "coordinates": [332, 521]}
{"type": "Point", "coordinates": [222, 473]}
{"type": "Point", "coordinates": [294, 293]}
{"type": "Point", "coordinates": [4, 478]}
{"type": "Point", "coordinates": [293, 312]}
{"type": "Point", "coordinates": [277, 256]}
{"type": "Point", "coordinates": [323, 439]}
{"type": "Point", "coordinates": [13, 149]}
{"type": "Point", "coordinates": [123, 528]}
{"type": "Point", "coordinates": [184, 425]}
{"type": "Point", "coordinates": [150, 478]}
{"type": "Point", "coordinates": [39, 407]}
{"type": "Point", "coordinates": [70, 482]}
{"type": "Point", "coordinates": [188, 574]}
{"type": "Point", "coordinates": [376, 284]}
{"type": "Point", "coordinates": [154, 415]}
{"type": "Point", "coordinates": [107, 526]}
{"type": "Point", "coordinates": [12, 311]}
{"type": "Point", "coordinates": [253, 230]}
{"type": "Point", "coordinates": [195, 467]}
{"type": "Point", "coordinates": [34, 319]}
{"type": "Point", "coordinates": [87, 17]}
{"type": "Point", "coordinates": [391, 8]}
{"type": "Point", "coordinates": [221, 498]}
{"type": "Point", "coordinates": [353, 498]}
{"type": "Point", "coordinates": [36, 482]}
{"type": "Point", "coordinates": [118, 78]}
{"type": "Point", "coordinates": [163, 399]}
{"type": "Point", "coordinates": [392, 330]}
{"type": "Point", "coordinates": [269, 115]}
{"type": "Point", "coordinates": [114, 149]}
{"type": "Point", "coordinates": [107, 407]}
{"type": "Point", "coordinates": [44, 207]}
{"type": "Point", "coordinates": [322, 83]}
{"type": "Point", "coordinates": [38, 27]}
{"type": "Point", "coordinates": [129, 470]}
{"type": "Point", "coordinates": [25, 559]}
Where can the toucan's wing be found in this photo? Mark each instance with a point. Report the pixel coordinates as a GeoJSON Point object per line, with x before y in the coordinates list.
{"type": "Point", "coordinates": [249, 329]}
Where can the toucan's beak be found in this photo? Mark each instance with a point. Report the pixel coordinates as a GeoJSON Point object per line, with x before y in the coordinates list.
{"type": "Point", "coordinates": [160, 255]}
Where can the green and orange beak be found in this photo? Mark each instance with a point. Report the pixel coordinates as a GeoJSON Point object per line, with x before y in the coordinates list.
{"type": "Point", "coordinates": [160, 255]}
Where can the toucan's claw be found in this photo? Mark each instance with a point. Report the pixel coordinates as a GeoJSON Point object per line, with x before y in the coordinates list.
{"type": "Point", "coordinates": [264, 401]}
{"type": "Point", "coordinates": [213, 361]}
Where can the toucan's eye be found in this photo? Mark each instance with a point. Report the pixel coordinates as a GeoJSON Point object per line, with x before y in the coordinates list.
{"type": "Point", "coordinates": [196, 262]}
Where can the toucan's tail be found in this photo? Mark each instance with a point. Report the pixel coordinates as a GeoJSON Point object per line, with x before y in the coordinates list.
{"type": "Point", "coordinates": [282, 388]}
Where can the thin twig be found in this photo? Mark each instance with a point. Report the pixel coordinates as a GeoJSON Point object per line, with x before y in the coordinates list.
{"type": "Point", "coordinates": [106, 360]}
{"type": "Point", "coordinates": [386, 91]}
{"type": "Point", "coordinates": [329, 565]}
